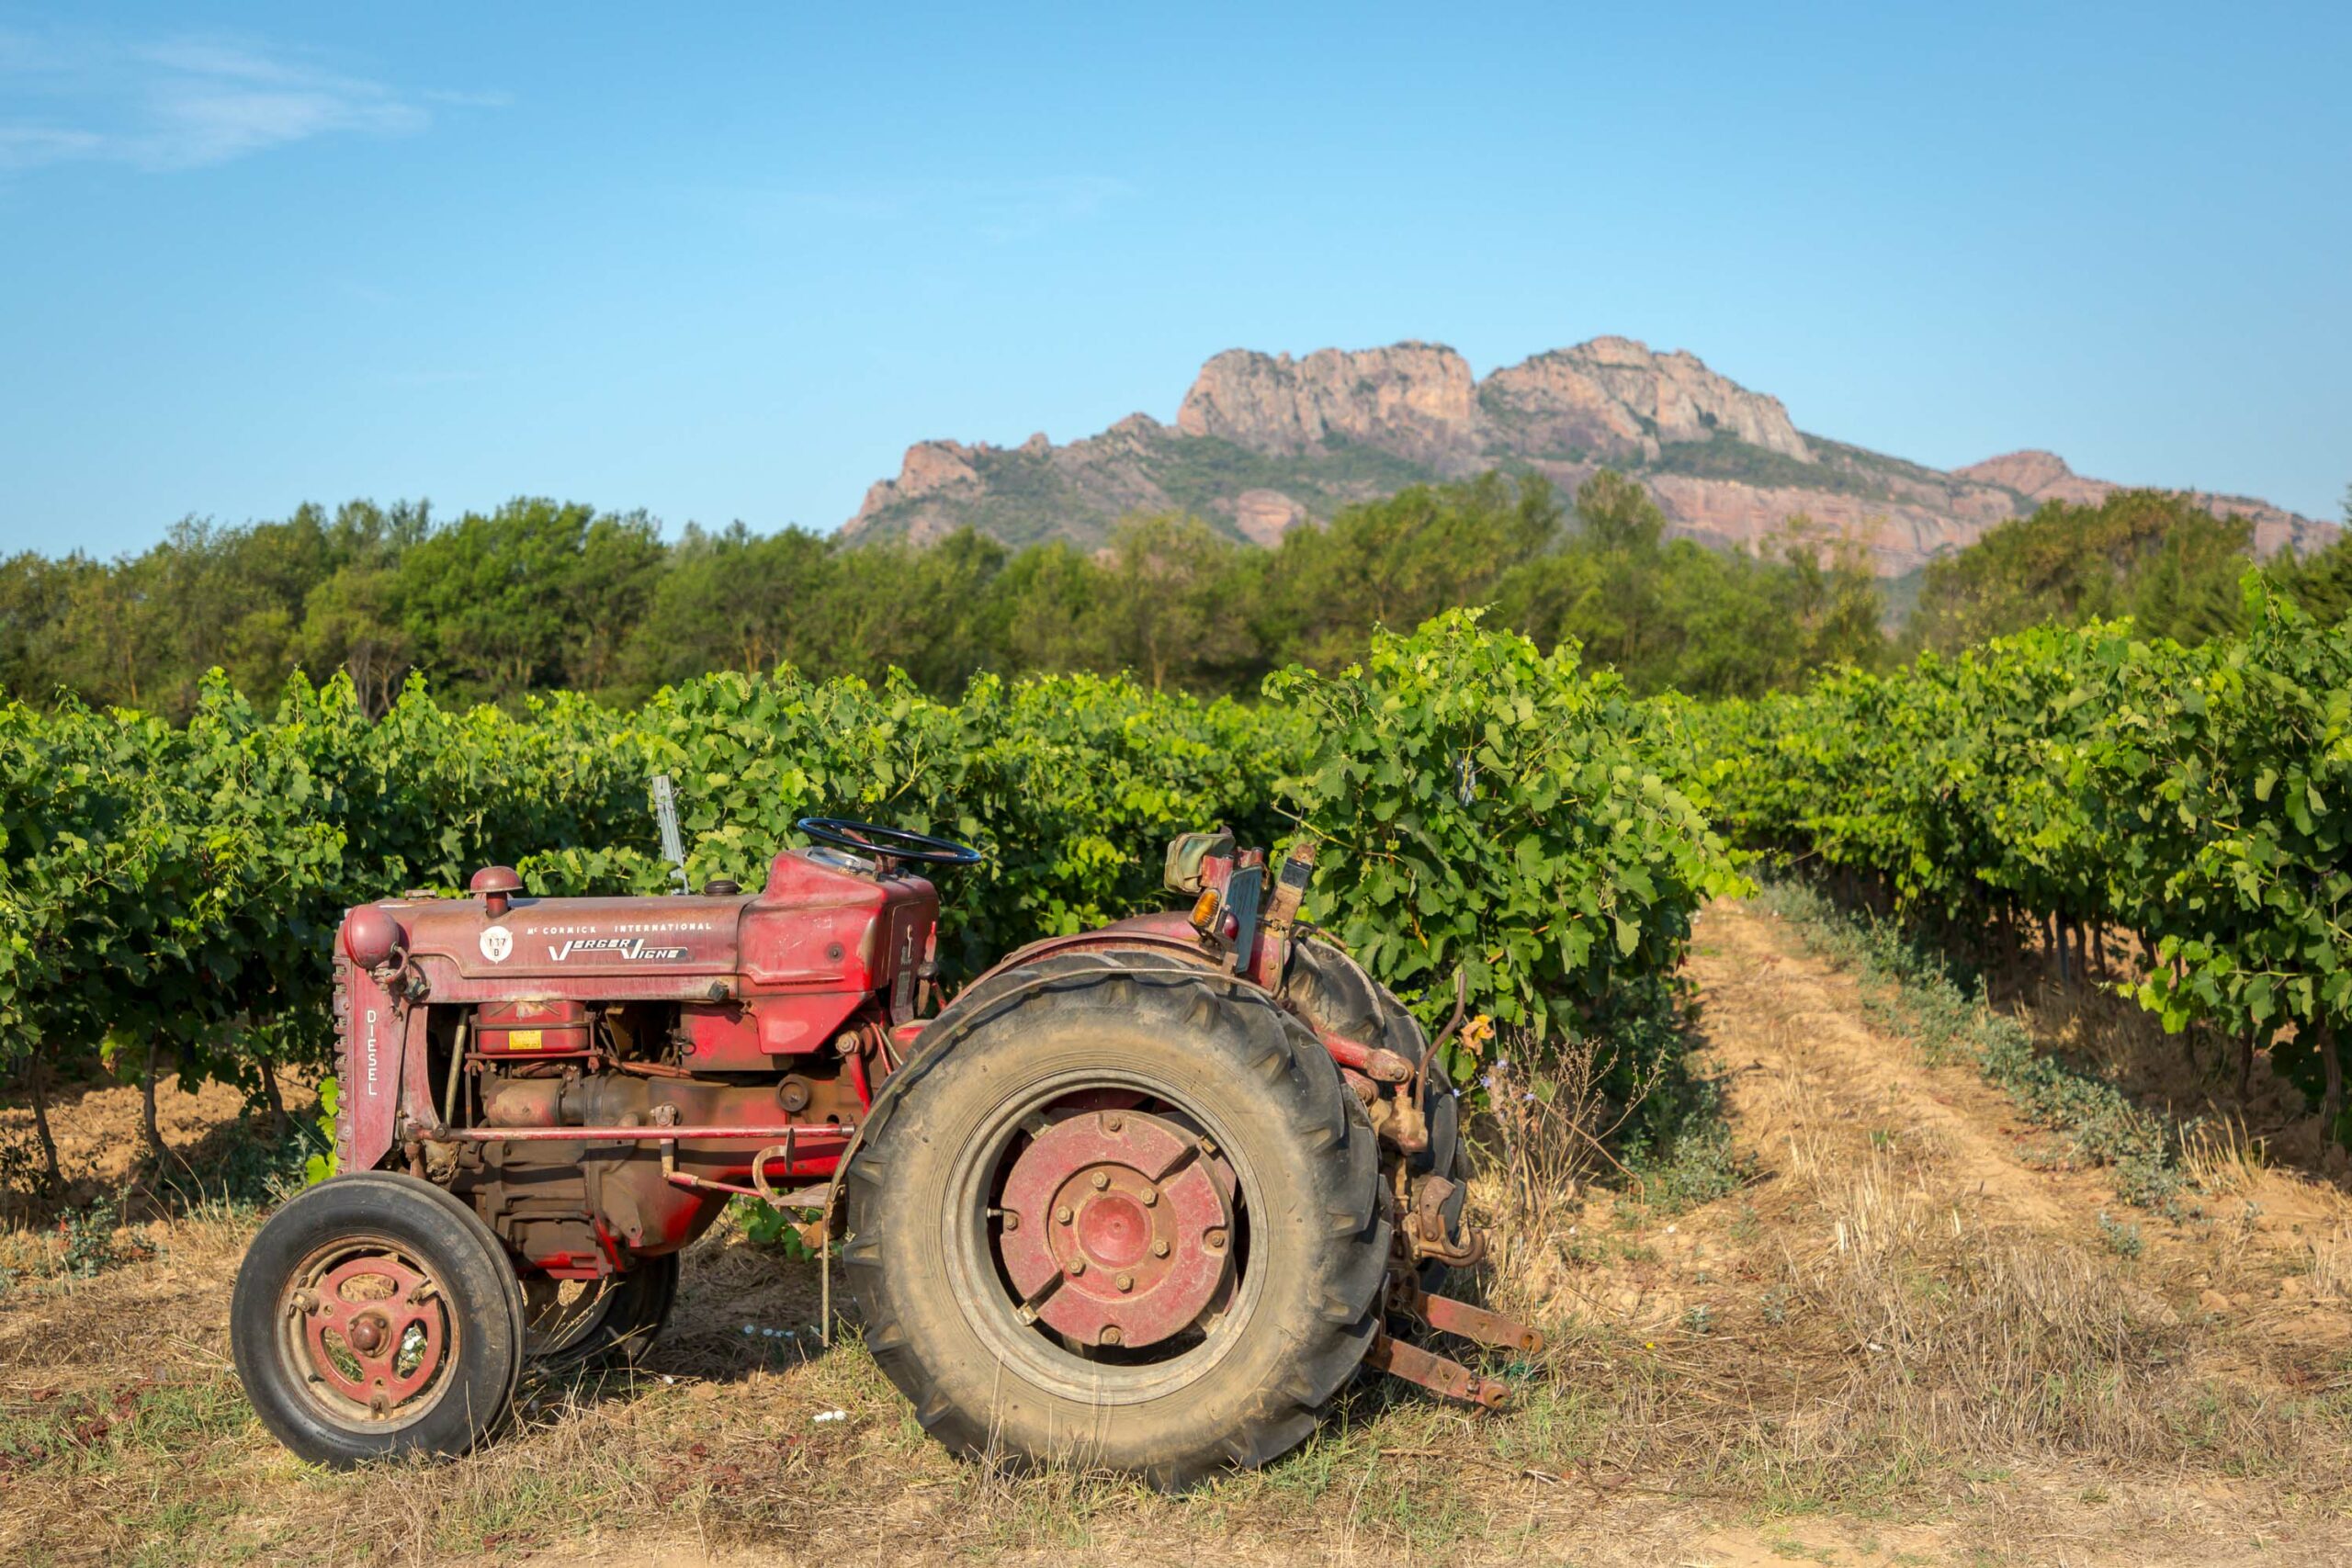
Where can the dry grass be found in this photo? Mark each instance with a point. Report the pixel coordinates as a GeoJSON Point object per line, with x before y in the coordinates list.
{"type": "Point", "coordinates": [2331, 1270]}
{"type": "Point", "coordinates": [1898, 1337]}
{"type": "Point", "coordinates": [2221, 1161]}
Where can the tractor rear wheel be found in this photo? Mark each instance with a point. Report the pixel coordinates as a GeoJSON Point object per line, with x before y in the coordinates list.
{"type": "Point", "coordinates": [1126, 1214]}
{"type": "Point", "coordinates": [377, 1315]}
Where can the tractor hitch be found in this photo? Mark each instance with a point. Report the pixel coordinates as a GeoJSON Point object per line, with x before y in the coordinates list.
{"type": "Point", "coordinates": [1435, 1372]}
{"type": "Point", "coordinates": [1438, 1373]}
{"type": "Point", "coordinates": [1460, 1318]}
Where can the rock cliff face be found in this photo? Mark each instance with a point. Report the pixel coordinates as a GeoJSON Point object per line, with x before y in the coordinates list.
{"type": "Point", "coordinates": [1416, 398]}
{"type": "Point", "coordinates": [1264, 443]}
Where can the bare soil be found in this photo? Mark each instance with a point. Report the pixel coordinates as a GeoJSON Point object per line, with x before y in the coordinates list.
{"type": "Point", "coordinates": [1910, 1335]}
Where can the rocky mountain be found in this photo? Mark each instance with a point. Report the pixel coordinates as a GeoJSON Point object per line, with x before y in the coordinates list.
{"type": "Point", "coordinates": [1262, 442]}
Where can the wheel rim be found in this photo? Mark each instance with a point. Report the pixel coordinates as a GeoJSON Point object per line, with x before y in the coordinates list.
{"type": "Point", "coordinates": [1072, 1188]}
{"type": "Point", "coordinates": [367, 1328]}
{"type": "Point", "coordinates": [1116, 1227]}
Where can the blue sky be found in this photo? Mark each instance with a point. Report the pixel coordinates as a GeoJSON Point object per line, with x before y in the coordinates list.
{"type": "Point", "coordinates": [722, 263]}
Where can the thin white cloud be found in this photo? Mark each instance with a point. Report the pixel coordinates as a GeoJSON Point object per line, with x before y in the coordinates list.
{"type": "Point", "coordinates": [185, 103]}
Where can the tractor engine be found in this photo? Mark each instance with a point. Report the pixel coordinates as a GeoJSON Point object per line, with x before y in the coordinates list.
{"type": "Point", "coordinates": [597, 1077]}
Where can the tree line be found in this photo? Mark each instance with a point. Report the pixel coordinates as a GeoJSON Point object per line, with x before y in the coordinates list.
{"type": "Point", "coordinates": [540, 596]}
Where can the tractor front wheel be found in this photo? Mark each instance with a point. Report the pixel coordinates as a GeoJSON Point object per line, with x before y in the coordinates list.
{"type": "Point", "coordinates": [377, 1315]}
{"type": "Point", "coordinates": [1128, 1215]}
{"type": "Point", "coordinates": [574, 1325]}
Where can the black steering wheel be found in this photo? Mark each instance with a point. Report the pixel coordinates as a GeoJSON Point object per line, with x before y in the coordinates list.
{"type": "Point", "coordinates": [889, 843]}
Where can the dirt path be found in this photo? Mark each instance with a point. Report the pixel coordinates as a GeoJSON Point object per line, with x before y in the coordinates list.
{"type": "Point", "coordinates": [1805, 1072]}
{"type": "Point", "coordinates": [1861, 1146]}
{"type": "Point", "coordinates": [1906, 1337]}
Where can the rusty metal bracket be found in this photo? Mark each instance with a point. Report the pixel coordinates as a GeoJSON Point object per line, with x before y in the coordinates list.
{"type": "Point", "coordinates": [759, 1168]}
{"type": "Point", "coordinates": [1435, 1372]}
{"type": "Point", "coordinates": [1372, 1061]}
{"type": "Point", "coordinates": [1474, 1323]}
{"type": "Point", "coordinates": [1423, 1227]}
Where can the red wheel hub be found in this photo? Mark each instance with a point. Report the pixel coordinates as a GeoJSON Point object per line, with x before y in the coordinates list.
{"type": "Point", "coordinates": [388, 1322]}
{"type": "Point", "coordinates": [1117, 1227]}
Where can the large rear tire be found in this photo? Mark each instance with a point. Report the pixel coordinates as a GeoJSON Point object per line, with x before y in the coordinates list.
{"type": "Point", "coordinates": [377, 1315]}
{"type": "Point", "coordinates": [1126, 1215]}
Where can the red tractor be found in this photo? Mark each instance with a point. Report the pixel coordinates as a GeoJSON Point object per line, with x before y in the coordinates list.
{"type": "Point", "coordinates": [1145, 1197]}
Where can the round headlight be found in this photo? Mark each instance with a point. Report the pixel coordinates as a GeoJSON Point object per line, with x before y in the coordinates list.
{"type": "Point", "coordinates": [370, 937]}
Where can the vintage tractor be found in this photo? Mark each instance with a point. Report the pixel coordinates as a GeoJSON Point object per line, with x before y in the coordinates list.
{"type": "Point", "coordinates": [1144, 1197]}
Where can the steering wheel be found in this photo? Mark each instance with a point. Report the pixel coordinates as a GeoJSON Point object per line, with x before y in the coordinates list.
{"type": "Point", "coordinates": [889, 843]}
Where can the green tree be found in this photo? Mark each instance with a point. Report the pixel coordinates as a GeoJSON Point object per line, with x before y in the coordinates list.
{"type": "Point", "coordinates": [2146, 554]}
{"type": "Point", "coordinates": [2321, 582]}
{"type": "Point", "coordinates": [532, 597]}
{"type": "Point", "coordinates": [1051, 601]}
{"type": "Point", "coordinates": [927, 610]}
{"type": "Point", "coordinates": [1399, 561]}
{"type": "Point", "coordinates": [1170, 603]}
{"type": "Point", "coordinates": [726, 601]}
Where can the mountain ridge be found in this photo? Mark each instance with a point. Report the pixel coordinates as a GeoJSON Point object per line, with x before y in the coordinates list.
{"type": "Point", "coordinates": [1262, 442]}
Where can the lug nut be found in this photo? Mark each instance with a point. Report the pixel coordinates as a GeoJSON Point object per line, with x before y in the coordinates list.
{"type": "Point", "coordinates": [1159, 1250]}
{"type": "Point", "coordinates": [1062, 1215]}
{"type": "Point", "coordinates": [1150, 1197]}
{"type": "Point", "coordinates": [1111, 1334]}
{"type": "Point", "coordinates": [1100, 1180]}
{"type": "Point", "coordinates": [1125, 1281]}
{"type": "Point", "coordinates": [1011, 1222]}
{"type": "Point", "coordinates": [1113, 1123]}
{"type": "Point", "coordinates": [1214, 1241]}
{"type": "Point", "coordinates": [1077, 1266]}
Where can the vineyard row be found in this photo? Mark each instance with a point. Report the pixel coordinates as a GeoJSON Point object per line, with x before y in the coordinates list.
{"type": "Point", "coordinates": [1484, 807]}
{"type": "Point", "coordinates": [2087, 780]}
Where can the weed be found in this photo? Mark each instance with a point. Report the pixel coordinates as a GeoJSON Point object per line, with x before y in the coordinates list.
{"type": "Point", "coordinates": [243, 1170]}
{"type": "Point", "coordinates": [2122, 1239]}
{"type": "Point", "coordinates": [767, 1225]}
{"type": "Point", "coordinates": [94, 1240]}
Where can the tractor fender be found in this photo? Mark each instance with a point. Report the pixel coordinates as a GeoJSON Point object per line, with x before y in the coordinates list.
{"type": "Point", "coordinates": [1170, 935]}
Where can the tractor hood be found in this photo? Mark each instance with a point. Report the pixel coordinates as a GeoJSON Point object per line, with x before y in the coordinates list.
{"type": "Point", "coordinates": [551, 937]}
{"type": "Point", "coordinates": [816, 927]}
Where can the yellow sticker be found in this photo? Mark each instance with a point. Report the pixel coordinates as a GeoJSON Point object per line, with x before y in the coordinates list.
{"type": "Point", "coordinates": [523, 1040]}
